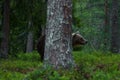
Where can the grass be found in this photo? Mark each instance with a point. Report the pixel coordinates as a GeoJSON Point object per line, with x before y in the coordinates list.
{"type": "Point", "coordinates": [17, 68]}
{"type": "Point", "coordinates": [99, 66]}
{"type": "Point", "coordinates": [89, 66]}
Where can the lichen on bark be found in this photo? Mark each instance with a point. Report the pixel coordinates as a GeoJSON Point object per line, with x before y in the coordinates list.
{"type": "Point", "coordinates": [58, 43]}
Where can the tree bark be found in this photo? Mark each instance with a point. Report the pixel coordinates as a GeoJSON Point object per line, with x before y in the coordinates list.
{"type": "Point", "coordinates": [115, 27]}
{"type": "Point", "coordinates": [58, 43]}
{"type": "Point", "coordinates": [5, 31]}
{"type": "Point", "coordinates": [29, 47]}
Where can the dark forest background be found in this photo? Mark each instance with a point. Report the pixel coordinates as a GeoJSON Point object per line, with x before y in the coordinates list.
{"type": "Point", "coordinates": [22, 23]}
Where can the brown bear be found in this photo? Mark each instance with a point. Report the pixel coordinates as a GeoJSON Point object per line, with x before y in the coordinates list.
{"type": "Point", "coordinates": [40, 46]}
{"type": "Point", "coordinates": [77, 39]}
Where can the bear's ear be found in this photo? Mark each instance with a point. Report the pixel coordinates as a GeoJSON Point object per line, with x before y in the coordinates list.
{"type": "Point", "coordinates": [73, 35]}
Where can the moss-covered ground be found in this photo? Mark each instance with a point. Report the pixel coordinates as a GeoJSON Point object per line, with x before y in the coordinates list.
{"type": "Point", "coordinates": [89, 66]}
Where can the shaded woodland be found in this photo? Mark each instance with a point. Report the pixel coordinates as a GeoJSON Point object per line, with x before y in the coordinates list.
{"type": "Point", "coordinates": [59, 40]}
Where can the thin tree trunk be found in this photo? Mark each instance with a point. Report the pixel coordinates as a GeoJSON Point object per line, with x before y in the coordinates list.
{"type": "Point", "coordinates": [58, 43]}
{"type": "Point", "coordinates": [106, 27]}
{"type": "Point", "coordinates": [115, 27]}
{"type": "Point", "coordinates": [5, 30]}
{"type": "Point", "coordinates": [29, 47]}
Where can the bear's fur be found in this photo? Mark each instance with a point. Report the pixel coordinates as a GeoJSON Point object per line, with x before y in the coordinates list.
{"type": "Point", "coordinates": [77, 39]}
{"type": "Point", "coordinates": [40, 46]}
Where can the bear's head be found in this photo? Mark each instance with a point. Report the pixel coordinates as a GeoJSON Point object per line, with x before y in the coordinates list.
{"type": "Point", "coordinates": [78, 39]}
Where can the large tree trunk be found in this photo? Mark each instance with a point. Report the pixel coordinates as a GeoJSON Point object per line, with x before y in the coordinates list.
{"type": "Point", "coordinates": [115, 27]}
{"type": "Point", "coordinates": [58, 43]}
{"type": "Point", "coordinates": [5, 31]}
{"type": "Point", "coordinates": [29, 47]}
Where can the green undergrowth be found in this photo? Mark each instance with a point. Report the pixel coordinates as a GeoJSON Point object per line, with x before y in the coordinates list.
{"type": "Point", "coordinates": [15, 68]}
{"type": "Point", "coordinates": [89, 66]}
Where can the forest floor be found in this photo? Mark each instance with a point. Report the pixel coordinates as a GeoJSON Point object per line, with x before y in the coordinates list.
{"type": "Point", "coordinates": [90, 66]}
